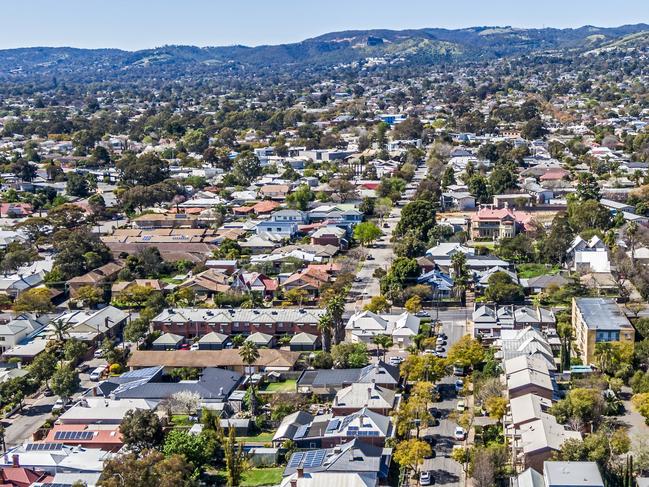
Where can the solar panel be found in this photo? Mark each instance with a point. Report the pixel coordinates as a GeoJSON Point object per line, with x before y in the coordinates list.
{"type": "Point", "coordinates": [314, 458]}
{"type": "Point", "coordinates": [296, 459]}
{"type": "Point", "coordinates": [73, 435]}
{"type": "Point", "coordinates": [333, 425]}
{"type": "Point", "coordinates": [43, 447]}
{"type": "Point", "coordinates": [301, 431]}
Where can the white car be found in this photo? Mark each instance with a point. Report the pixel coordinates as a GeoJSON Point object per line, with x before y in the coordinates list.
{"type": "Point", "coordinates": [425, 478]}
{"type": "Point", "coordinates": [460, 406]}
{"type": "Point", "coordinates": [59, 406]}
{"type": "Point", "coordinates": [459, 434]}
{"type": "Point", "coordinates": [194, 346]}
{"type": "Point", "coordinates": [396, 360]}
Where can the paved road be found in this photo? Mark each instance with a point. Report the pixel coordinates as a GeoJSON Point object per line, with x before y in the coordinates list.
{"type": "Point", "coordinates": [446, 471]}
{"type": "Point", "coordinates": [366, 285]}
{"type": "Point", "coordinates": [24, 425]}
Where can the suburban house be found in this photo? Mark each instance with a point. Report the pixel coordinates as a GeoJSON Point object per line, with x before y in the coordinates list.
{"type": "Point", "coordinates": [457, 200]}
{"type": "Point", "coordinates": [97, 278]}
{"type": "Point", "coordinates": [440, 283]}
{"type": "Point", "coordinates": [528, 375]}
{"type": "Point", "coordinates": [524, 409]}
{"type": "Point", "coordinates": [371, 396]}
{"type": "Point", "coordinates": [527, 342]}
{"type": "Point", "coordinates": [591, 256]}
{"type": "Point", "coordinates": [536, 441]}
{"type": "Point", "coordinates": [327, 382]}
{"type": "Point", "coordinates": [363, 326]}
{"type": "Point", "coordinates": [213, 386]}
{"type": "Point", "coordinates": [598, 320]}
{"type": "Point", "coordinates": [490, 223]}
{"type": "Point", "coordinates": [354, 457]}
{"type": "Point", "coordinates": [18, 329]}
{"type": "Point", "coordinates": [326, 431]}
{"type": "Point", "coordinates": [563, 474]}
{"type": "Point", "coordinates": [491, 320]}
{"type": "Point", "coordinates": [330, 235]}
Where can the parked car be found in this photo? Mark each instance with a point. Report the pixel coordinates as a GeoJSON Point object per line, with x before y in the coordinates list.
{"type": "Point", "coordinates": [422, 314]}
{"type": "Point", "coordinates": [185, 346]}
{"type": "Point", "coordinates": [426, 478]}
{"type": "Point", "coordinates": [430, 439]}
{"type": "Point", "coordinates": [99, 353]}
{"type": "Point", "coordinates": [369, 257]}
{"type": "Point", "coordinates": [386, 225]}
{"type": "Point", "coordinates": [396, 360]}
{"type": "Point", "coordinates": [434, 412]}
{"type": "Point", "coordinates": [458, 370]}
{"type": "Point", "coordinates": [460, 406]}
{"type": "Point", "coordinates": [60, 405]}
{"type": "Point", "coordinates": [459, 433]}
{"type": "Point", "coordinates": [47, 392]}
{"type": "Point", "coordinates": [83, 367]}
{"type": "Point", "coordinates": [194, 346]}
{"type": "Point", "coordinates": [459, 384]}
{"type": "Point", "coordinates": [439, 349]}
{"type": "Point", "coordinates": [97, 373]}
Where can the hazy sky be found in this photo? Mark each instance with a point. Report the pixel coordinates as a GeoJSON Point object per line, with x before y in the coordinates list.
{"type": "Point", "coordinates": [137, 24]}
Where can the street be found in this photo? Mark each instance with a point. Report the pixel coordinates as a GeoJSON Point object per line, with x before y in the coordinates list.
{"type": "Point", "coordinates": [23, 425]}
{"type": "Point", "coordinates": [366, 285]}
{"type": "Point", "coordinates": [445, 470]}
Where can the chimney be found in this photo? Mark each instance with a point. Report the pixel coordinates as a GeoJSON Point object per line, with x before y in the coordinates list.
{"type": "Point", "coordinates": [293, 482]}
{"type": "Point", "coordinates": [300, 472]}
{"type": "Point", "coordinates": [15, 461]}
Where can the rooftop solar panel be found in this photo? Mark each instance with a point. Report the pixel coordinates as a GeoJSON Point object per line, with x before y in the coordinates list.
{"type": "Point", "coordinates": [296, 459]}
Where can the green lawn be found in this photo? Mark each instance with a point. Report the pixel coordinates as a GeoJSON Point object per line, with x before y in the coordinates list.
{"type": "Point", "coordinates": [255, 477]}
{"type": "Point", "coordinates": [263, 437]}
{"type": "Point", "coordinates": [527, 271]}
{"type": "Point", "coordinates": [286, 386]}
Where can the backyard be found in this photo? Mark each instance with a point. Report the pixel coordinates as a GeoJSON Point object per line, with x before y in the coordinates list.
{"type": "Point", "coordinates": [286, 386]}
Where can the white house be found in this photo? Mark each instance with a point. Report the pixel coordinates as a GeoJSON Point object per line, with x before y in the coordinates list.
{"type": "Point", "coordinates": [363, 326]}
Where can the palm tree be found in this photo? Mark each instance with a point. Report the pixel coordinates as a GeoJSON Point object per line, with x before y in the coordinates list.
{"type": "Point", "coordinates": [383, 341]}
{"type": "Point", "coordinates": [249, 354]}
{"type": "Point", "coordinates": [336, 308]}
{"type": "Point", "coordinates": [60, 329]}
{"type": "Point", "coordinates": [325, 325]}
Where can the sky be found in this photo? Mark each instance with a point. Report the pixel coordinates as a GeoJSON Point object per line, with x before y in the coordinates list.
{"type": "Point", "coordinates": [140, 24]}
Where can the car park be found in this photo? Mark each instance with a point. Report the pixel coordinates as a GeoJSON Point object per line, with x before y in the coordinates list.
{"type": "Point", "coordinates": [459, 433]}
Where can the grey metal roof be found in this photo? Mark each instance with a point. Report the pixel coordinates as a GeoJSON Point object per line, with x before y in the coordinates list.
{"type": "Point", "coordinates": [575, 474]}
{"type": "Point", "coordinates": [602, 314]}
{"type": "Point", "coordinates": [215, 384]}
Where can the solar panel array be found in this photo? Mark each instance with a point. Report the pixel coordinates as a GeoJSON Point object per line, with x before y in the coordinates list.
{"type": "Point", "coordinates": [314, 458]}
{"type": "Point", "coordinates": [333, 425]}
{"type": "Point", "coordinates": [73, 435]}
{"type": "Point", "coordinates": [296, 459]}
{"type": "Point", "coordinates": [43, 447]}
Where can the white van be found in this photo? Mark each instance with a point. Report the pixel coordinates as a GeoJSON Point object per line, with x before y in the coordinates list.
{"type": "Point", "coordinates": [97, 373]}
